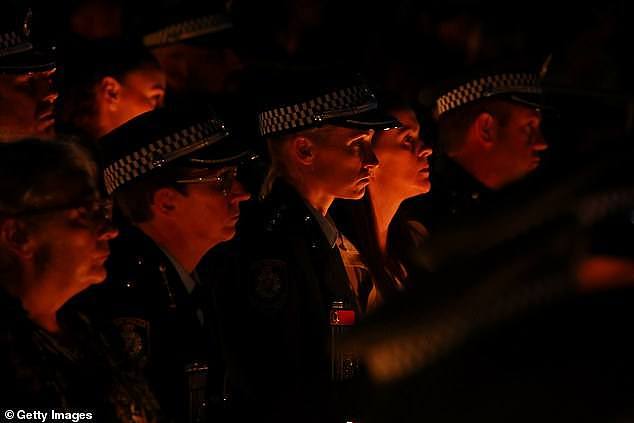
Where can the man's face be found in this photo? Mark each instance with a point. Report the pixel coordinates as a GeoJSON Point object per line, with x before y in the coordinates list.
{"type": "Point", "coordinates": [142, 90]}
{"type": "Point", "coordinates": [343, 161]}
{"type": "Point", "coordinates": [403, 158]}
{"type": "Point", "coordinates": [518, 143]}
{"type": "Point", "coordinates": [192, 68]}
{"type": "Point", "coordinates": [72, 243]}
{"type": "Point", "coordinates": [26, 105]}
{"type": "Point", "coordinates": [210, 209]}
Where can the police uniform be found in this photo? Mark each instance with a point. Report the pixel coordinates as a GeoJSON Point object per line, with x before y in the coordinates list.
{"type": "Point", "coordinates": [77, 370]}
{"type": "Point", "coordinates": [164, 315]}
{"type": "Point", "coordinates": [455, 193]}
{"type": "Point", "coordinates": [291, 295]}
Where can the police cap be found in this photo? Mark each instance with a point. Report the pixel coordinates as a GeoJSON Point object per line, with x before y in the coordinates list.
{"type": "Point", "coordinates": [516, 85]}
{"type": "Point", "coordinates": [180, 135]}
{"type": "Point", "coordinates": [193, 22]}
{"type": "Point", "coordinates": [295, 99]}
{"type": "Point", "coordinates": [17, 53]}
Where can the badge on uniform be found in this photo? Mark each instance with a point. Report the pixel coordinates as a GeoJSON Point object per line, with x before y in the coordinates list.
{"type": "Point", "coordinates": [135, 334]}
{"type": "Point", "coordinates": [269, 283]}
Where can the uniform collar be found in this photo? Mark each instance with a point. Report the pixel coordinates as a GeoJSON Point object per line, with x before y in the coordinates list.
{"type": "Point", "coordinates": [456, 178]}
{"type": "Point", "coordinates": [327, 225]}
{"type": "Point", "coordinates": [189, 280]}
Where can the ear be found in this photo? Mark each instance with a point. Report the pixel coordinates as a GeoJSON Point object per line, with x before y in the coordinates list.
{"type": "Point", "coordinates": [15, 236]}
{"type": "Point", "coordinates": [164, 202]}
{"type": "Point", "coordinates": [484, 129]}
{"type": "Point", "coordinates": [110, 91]}
{"type": "Point", "coordinates": [303, 150]}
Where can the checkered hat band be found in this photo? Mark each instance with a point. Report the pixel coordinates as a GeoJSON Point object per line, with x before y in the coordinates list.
{"type": "Point", "coordinates": [188, 29]}
{"type": "Point", "coordinates": [12, 43]}
{"type": "Point", "coordinates": [162, 151]}
{"type": "Point", "coordinates": [341, 103]}
{"type": "Point", "coordinates": [486, 87]}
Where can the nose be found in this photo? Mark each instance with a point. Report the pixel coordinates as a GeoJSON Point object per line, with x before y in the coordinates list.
{"type": "Point", "coordinates": [108, 231]}
{"type": "Point", "coordinates": [238, 193]}
{"type": "Point", "coordinates": [424, 150]}
{"type": "Point", "coordinates": [370, 161]}
{"type": "Point", "coordinates": [231, 60]}
{"type": "Point", "coordinates": [45, 88]}
{"type": "Point", "coordinates": [539, 143]}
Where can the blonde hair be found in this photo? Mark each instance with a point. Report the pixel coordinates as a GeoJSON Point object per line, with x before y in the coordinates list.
{"type": "Point", "coordinates": [278, 153]}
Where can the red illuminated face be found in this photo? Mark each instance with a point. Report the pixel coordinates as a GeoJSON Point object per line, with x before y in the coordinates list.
{"type": "Point", "coordinates": [142, 90]}
{"type": "Point", "coordinates": [517, 144]}
{"type": "Point", "coordinates": [26, 105]}
{"type": "Point", "coordinates": [194, 68]}
{"type": "Point", "coordinates": [343, 161]}
{"type": "Point", "coordinates": [71, 244]}
{"type": "Point", "coordinates": [210, 209]}
{"type": "Point", "coordinates": [403, 156]}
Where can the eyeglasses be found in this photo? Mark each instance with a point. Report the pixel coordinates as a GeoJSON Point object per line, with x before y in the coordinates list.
{"type": "Point", "coordinates": [222, 181]}
{"type": "Point", "coordinates": [89, 210]}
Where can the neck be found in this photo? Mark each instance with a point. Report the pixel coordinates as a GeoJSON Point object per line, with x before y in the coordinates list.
{"type": "Point", "coordinates": [479, 167]}
{"type": "Point", "coordinates": [41, 298]}
{"type": "Point", "coordinates": [106, 122]}
{"type": "Point", "coordinates": [384, 207]}
{"type": "Point", "coordinates": [319, 200]}
{"type": "Point", "coordinates": [186, 251]}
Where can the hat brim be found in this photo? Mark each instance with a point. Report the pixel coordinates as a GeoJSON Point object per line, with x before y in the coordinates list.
{"type": "Point", "coordinates": [534, 101]}
{"type": "Point", "coordinates": [224, 152]}
{"type": "Point", "coordinates": [225, 37]}
{"type": "Point", "coordinates": [372, 119]}
{"type": "Point", "coordinates": [28, 61]}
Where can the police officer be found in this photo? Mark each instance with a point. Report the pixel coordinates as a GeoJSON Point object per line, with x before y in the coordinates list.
{"type": "Point", "coordinates": [54, 358]}
{"type": "Point", "coordinates": [172, 174]}
{"type": "Point", "coordinates": [195, 45]}
{"type": "Point", "coordinates": [489, 135]}
{"type": "Point", "coordinates": [26, 93]}
{"type": "Point", "coordinates": [300, 281]}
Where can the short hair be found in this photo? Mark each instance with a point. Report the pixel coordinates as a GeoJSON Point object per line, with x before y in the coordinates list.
{"type": "Point", "coordinates": [86, 65]}
{"type": "Point", "coordinates": [32, 175]}
{"type": "Point", "coordinates": [454, 124]}
{"type": "Point", "coordinates": [134, 199]}
{"type": "Point", "coordinates": [31, 171]}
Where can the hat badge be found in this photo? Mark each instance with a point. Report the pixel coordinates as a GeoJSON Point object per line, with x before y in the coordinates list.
{"type": "Point", "coordinates": [28, 20]}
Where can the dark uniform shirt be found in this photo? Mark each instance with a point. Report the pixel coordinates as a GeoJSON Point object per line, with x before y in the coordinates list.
{"type": "Point", "coordinates": [165, 328]}
{"type": "Point", "coordinates": [76, 369]}
{"type": "Point", "coordinates": [276, 306]}
{"type": "Point", "coordinates": [455, 195]}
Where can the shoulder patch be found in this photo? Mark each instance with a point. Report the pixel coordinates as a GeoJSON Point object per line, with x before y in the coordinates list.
{"type": "Point", "coordinates": [268, 284]}
{"type": "Point", "coordinates": [135, 334]}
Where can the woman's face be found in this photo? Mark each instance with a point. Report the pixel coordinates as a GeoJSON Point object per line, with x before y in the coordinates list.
{"type": "Point", "coordinates": [71, 244]}
{"type": "Point", "coordinates": [403, 158]}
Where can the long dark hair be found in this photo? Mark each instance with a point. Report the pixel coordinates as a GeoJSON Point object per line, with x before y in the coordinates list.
{"type": "Point", "coordinates": [357, 221]}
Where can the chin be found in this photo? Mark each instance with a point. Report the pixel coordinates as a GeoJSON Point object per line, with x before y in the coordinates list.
{"type": "Point", "coordinates": [96, 277]}
{"type": "Point", "coordinates": [353, 195]}
{"type": "Point", "coordinates": [425, 188]}
{"type": "Point", "coordinates": [229, 233]}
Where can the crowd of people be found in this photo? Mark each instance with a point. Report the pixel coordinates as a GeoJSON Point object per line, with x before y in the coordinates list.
{"type": "Point", "coordinates": [192, 234]}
